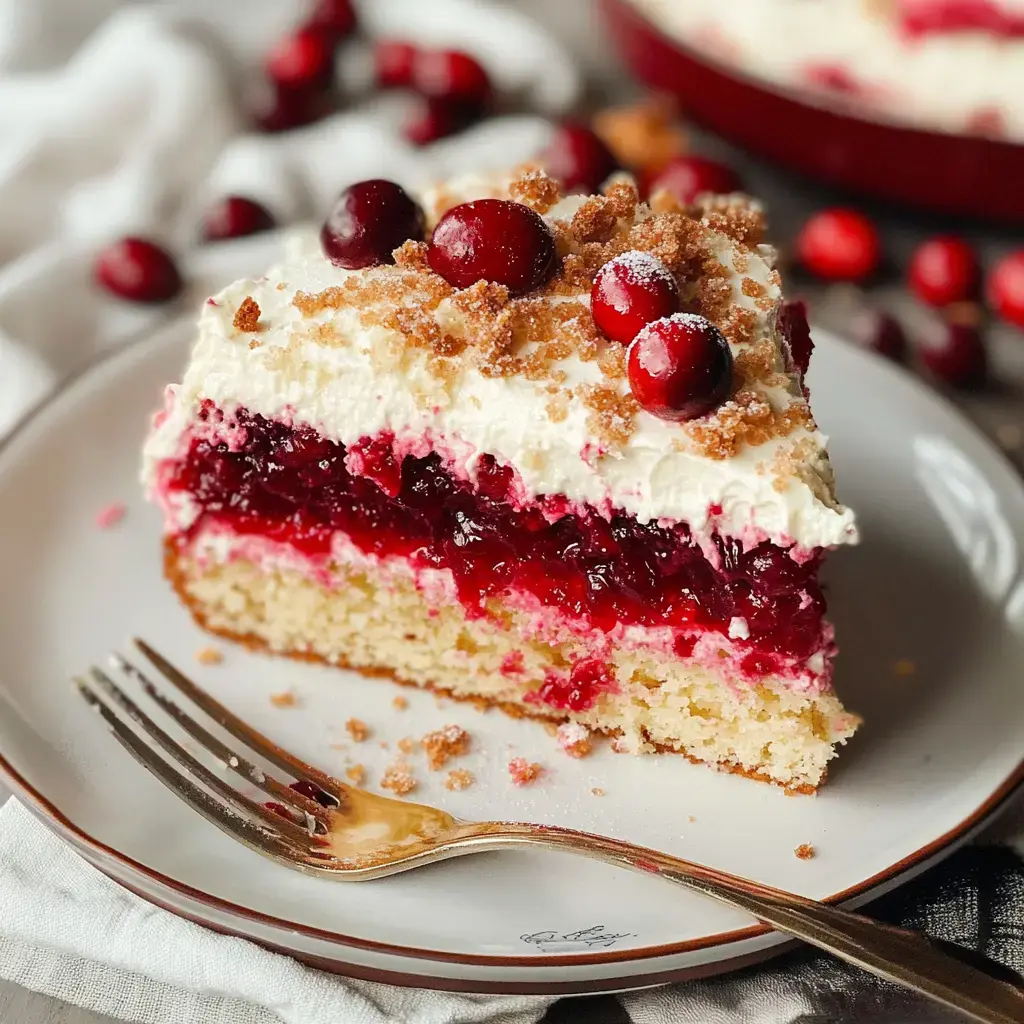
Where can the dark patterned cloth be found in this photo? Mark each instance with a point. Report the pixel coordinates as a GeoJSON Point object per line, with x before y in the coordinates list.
{"type": "Point", "coordinates": [974, 899]}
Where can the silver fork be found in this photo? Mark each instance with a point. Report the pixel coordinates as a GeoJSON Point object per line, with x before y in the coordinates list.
{"type": "Point", "coordinates": [345, 833]}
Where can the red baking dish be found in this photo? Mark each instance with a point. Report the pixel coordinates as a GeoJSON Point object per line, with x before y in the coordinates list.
{"type": "Point", "coordinates": [960, 174]}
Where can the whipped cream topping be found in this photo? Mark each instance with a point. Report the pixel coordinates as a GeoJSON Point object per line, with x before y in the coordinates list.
{"type": "Point", "coordinates": [893, 73]}
{"type": "Point", "coordinates": [348, 380]}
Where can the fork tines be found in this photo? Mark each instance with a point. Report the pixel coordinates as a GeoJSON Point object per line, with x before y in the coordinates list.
{"type": "Point", "coordinates": [288, 828]}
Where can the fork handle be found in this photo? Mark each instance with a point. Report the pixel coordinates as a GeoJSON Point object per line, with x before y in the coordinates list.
{"type": "Point", "coordinates": [907, 958]}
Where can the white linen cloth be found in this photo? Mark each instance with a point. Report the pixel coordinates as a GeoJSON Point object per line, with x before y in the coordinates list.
{"type": "Point", "coordinates": [118, 117]}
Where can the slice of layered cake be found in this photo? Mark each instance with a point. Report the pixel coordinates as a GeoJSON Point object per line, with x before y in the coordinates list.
{"type": "Point", "coordinates": [548, 453]}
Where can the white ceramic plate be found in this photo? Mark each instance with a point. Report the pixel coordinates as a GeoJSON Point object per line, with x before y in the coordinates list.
{"type": "Point", "coordinates": [938, 581]}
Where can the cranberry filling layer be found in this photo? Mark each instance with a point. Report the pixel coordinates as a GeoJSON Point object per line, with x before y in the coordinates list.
{"type": "Point", "coordinates": [928, 17]}
{"type": "Point", "coordinates": [294, 486]}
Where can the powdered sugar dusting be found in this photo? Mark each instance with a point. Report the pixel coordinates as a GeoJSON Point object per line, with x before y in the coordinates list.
{"type": "Point", "coordinates": [641, 267]}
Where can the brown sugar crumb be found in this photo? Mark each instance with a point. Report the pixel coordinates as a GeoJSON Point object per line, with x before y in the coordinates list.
{"type": "Point", "coordinates": [747, 418]}
{"type": "Point", "coordinates": [398, 778]}
{"type": "Point", "coordinates": [406, 744]}
{"type": "Point", "coordinates": [535, 189]}
{"type": "Point", "coordinates": [209, 656]}
{"type": "Point", "coordinates": [805, 852]}
{"type": "Point", "coordinates": [690, 818]}
{"type": "Point", "coordinates": [357, 729]}
{"type": "Point", "coordinates": [597, 791]}
{"type": "Point", "coordinates": [458, 780]}
{"type": "Point", "coordinates": [412, 255]}
{"type": "Point", "coordinates": [904, 667]}
{"type": "Point", "coordinates": [444, 744]}
{"type": "Point", "coordinates": [356, 774]}
{"type": "Point", "coordinates": [523, 772]}
{"type": "Point", "coordinates": [574, 739]}
{"type": "Point", "coordinates": [247, 316]}
{"type": "Point", "coordinates": [641, 135]}
{"type": "Point", "coordinates": [623, 198]}
{"type": "Point", "coordinates": [400, 703]}
{"type": "Point", "coordinates": [284, 700]}
{"type": "Point", "coordinates": [612, 415]}
{"type": "Point", "coordinates": [595, 220]}
{"type": "Point", "coordinates": [753, 289]}
{"type": "Point", "coordinates": [612, 362]}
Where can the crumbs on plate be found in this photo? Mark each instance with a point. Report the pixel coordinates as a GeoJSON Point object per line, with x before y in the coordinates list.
{"type": "Point", "coordinates": [110, 515]}
{"type": "Point", "coordinates": [398, 778]}
{"type": "Point", "coordinates": [459, 779]}
{"type": "Point", "coordinates": [287, 699]}
{"type": "Point", "coordinates": [444, 744]}
{"type": "Point", "coordinates": [523, 772]}
{"type": "Point", "coordinates": [805, 852]}
{"type": "Point", "coordinates": [209, 656]}
{"type": "Point", "coordinates": [357, 729]}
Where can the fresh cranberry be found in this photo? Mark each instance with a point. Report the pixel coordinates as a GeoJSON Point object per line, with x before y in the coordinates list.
{"type": "Point", "coordinates": [393, 63]}
{"type": "Point", "coordinates": [796, 331]}
{"type": "Point", "coordinates": [303, 60]}
{"type": "Point", "coordinates": [680, 367]}
{"type": "Point", "coordinates": [578, 159]}
{"type": "Point", "coordinates": [942, 271]}
{"type": "Point", "coordinates": [281, 109]}
{"type": "Point", "coordinates": [432, 119]}
{"type": "Point", "coordinates": [368, 222]}
{"type": "Point", "coordinates": [956, 354]}
{"type": "Point", "coordinates": [451, 75]}
{"type": "Point", "coordinates": [235, 216]}
{"type": "Point", "coordinates": [493, 240]}
{"type": "Point", "coordinates": [839, 245]}
{"type": "Point", "coordinates": [686, 177]}
{"type": "Point", "coordinates": [1005, 288]}
{"type": "Point", "coordinates": [334, 16]}
{"type": "Point", "coordinates": [879, 332]}
{"type": "Point", "coordinates": [138, 270]}
{"type": "Point", "coordinates": [630, 291]}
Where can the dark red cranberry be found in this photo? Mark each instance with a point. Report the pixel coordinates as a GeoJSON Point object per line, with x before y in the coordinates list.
{"type": "Point", "coordinates": [235, 216]}
{"type": "Point", "coordinates": [955, 353]}
{"type": "Point", "coordinates": [578, 159]}
{"type": "Point", "coordinates": [335, 17]}
{"type": "Point", "coordinates": [686, 177]}
{"type": "Point", "coordinates": [680, 367]}
{"type": "Point", "coordinates": [368, 222]}
{"type": "Point", "coordinates": [451, 75]}
{"type": "Point", "coordinates": [630, 291]}
{"type": "Point", "coordinates": [1005, 288]}
{"type": "Point", "coordinates": [281, 110]}
{"type": "Point", "coordinates": [273, 805]}
{"type": "Point", "coordinates": [881, 333]}
{"type": "Point", "coordinates": [795, 329]}
{"type": "Point", "coordinates": [493, 240]}
{"type": "Point", "coordinates": [393, 63]}
{"type": "Point", "coordinates": [432, 119]}
{"type": "Point", "coordinates": [302, 60]}
{"type": "Point", "coordinates": [138, 270]}
{"type": "Point", "coordinates": [839, 245]}
{"type": "Point", "coordinates": [943, 271]}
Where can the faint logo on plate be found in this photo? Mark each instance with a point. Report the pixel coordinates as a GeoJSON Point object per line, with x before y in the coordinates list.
{"type": "Point", "coordinates": [594, 937]}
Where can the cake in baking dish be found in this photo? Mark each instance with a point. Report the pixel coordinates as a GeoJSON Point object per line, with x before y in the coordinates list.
{"type": "Point", "coordinates": [548, 453]}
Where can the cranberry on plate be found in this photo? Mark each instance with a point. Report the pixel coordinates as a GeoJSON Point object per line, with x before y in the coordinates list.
{"type": "Point", "coordinates": [282, 109]}
{"type": "Point", "coordinates": [680, 367]}
{"type": "Point", "coordinates": [686, 177]}
{"type": "Point", "coordinates": [368, 221]}
{"type": "Point", "coordinates": [630, 291]}
{"type": "Point", "coordinates": [138, 270]}
{"type": "Point", "coordinates": [879, 332]}
{"type": "Point", "coordinates": [943, 270]}
{"type": "Point", "coordinates": [493, 240]}
{"type": "Point", "coordinates": [839, 245]}
{"type": "Point", "coordinates": [432, 119]}
{"type": "Point", "coordinates": [334, 16]}
{"type": "Point", "coordinates": [234, 217]}
{"type": "Point", "coordinates": [302, 60]}
{"type": "Point", "coordinates": [1005, 288]}
{"type": "Point", "coordinates": [955, 354]}
{"type": "Point", "coordinates": [393, 61]}
{"type": "Point", "coordinates": [578, 159]}
{"type": "Point", "coordinates": [451, 75]}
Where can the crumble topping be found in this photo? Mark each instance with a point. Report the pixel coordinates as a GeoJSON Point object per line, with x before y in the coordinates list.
{"type": "Point", "coordinates": [398, 778]}
{"type": "Point", "coordinates": [709, 247]}
{"type": "Point", "coordinates": [597, 791]}
{"type": "Point", "coordinates": [358, 730]}
{"type": "Point", "coordinates": [805, 852]}
{"type": "Point", "coordinates": [247, 316]}
{"type": "Point", "coordinates": [444, 744]}
{"type": "Point", "coordinates": [574, 739]}
{"type": "Point", "coordinates": [523, 772]}
{"type": "Point", "coordinates": [209, 656]}
{"type": "Point", "coordinates": [458, 780]}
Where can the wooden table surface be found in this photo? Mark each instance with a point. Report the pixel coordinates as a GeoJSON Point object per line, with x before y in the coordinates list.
{"type": "Point", "coordinates": [999, 411]}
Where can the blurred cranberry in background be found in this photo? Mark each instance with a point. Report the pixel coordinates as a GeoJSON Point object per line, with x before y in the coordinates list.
{"type": "Point", "coordinates": [235, 216]}
{"type": "Point", "coordinates": [451, 75]}
{"type": "Point", "coordinates": [284, 109]}
{"type": "Point", "coordinates": [686, 177]}
{"type": "Point", "coordinates": [138, 270]}
{"type": "Point", "coordinates": [955, 354]}
{"type": "Point", "coordinates": [432, 118]}
{"type": "Point", "coordinates": [1005, 288]}
{"type": "Point", "coordinates": [578, 159]}
{"type": "Point", "coordinates": [302, 60]}
{"type": "Point", "coordinates": [335, 16]}
{"type": "Point", "coordinates": [879, 332]}
{"type": "Point", "coordinates": [393, 62]}
{"type": "Point", "coordinates": [943, 270]}
{"type": "Point", "coordinates": [839, 245]}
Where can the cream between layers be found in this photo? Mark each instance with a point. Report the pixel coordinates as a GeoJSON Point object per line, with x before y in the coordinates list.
{"type": "Point", "coordinates": [346, 391]}
{"type": "Point", "coordinates": [374, 617]}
